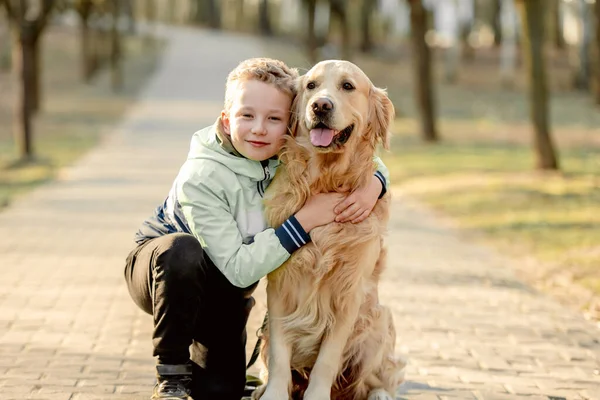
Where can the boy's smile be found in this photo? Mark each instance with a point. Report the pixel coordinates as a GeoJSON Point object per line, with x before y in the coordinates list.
{"type": "Point", "coordinates": [257, 119]}
{"type": "Point", "coordinates": [257, 144]}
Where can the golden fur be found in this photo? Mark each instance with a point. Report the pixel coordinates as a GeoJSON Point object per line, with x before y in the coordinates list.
{"type": "Point", "coordinates": [328, 335]}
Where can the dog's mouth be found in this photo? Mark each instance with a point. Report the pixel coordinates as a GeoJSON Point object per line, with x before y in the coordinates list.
{"type": "Point", "coordinates": [323, 136]}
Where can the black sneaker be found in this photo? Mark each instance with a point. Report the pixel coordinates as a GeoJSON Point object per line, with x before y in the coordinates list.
{"type": "Point", "coordinates": [173, 382]}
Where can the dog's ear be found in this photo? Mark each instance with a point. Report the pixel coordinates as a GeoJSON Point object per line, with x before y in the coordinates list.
{"type": "Point", "coordinates": [381, 114]}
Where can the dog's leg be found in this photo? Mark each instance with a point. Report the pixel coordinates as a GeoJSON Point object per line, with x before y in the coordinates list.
{"type": "Point", "coordinates": [328, 364]}
{"type": "Point", "coordinates": [379, 394]}
{"type": "Point", "coordinates": [280, 375]}
{"type": "Point", "coordinates": [329, 361]}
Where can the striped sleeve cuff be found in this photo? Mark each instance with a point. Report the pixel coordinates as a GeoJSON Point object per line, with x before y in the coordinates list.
{"type": "Point", "coordinates": [380, 176]}
{"type": "Point", "coordinates": [291, 235]}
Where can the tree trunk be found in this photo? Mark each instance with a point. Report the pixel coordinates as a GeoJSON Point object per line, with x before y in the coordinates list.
{"type": "Point", "coordinates": [532, 21]}
{"type": "Point", "coordinates": [263, 18]}
{"type": "Point", "coordinates": [338, 8]}
{"type": "Point", "coordinates": [582, 60]}
{"type": "Point", "coordinates": [5, 49]}
{"type": "Point", "coordinates": [556, 28]}
{"type": "Point", "coordinates": [239, 15]}
{"type": "Point", "coordinates": [597, 74]}
{"type": "Point", "coordinates": [36, 78]}
{"type": "Point", "coordinates": [422, 71]}
{"type": "Point", "coordinates": [24, 69]}
{"type": "Point", "coordinates": [26, 34]}
{"type": "Point", "coordinates": [208, 12]}
{"type": "Point", "coordinates": [84, 10]}
{"type": "Point", "coordinates": [312, 37]}
{"type": "Point", "coordinates": [87, 57]}
{"type": "Point", "coordinates": [496, 25]}
{"type": "Point", "coordinates": [150, 12]}
{"type": "Point", "coordinates": [215, 14]}
{"type": "Point", "coordinates": [171, 12]}
{"type": "Point", "coordinates": [115, 49]}
{"type": "Point", "coordinates": [508, 50]}
{"type": "Point", "coordinates": [366, 44]}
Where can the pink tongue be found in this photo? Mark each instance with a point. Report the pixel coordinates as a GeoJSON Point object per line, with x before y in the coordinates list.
{"type": "Point", "coordinates": [321, 136]}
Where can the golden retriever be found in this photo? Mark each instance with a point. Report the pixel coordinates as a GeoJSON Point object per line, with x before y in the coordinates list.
{"type": "Point", "coordinates": [328, 336]}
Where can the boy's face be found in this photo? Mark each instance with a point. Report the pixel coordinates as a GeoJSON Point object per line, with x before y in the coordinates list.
{"type": "Point", "coordinates": [257, 119]}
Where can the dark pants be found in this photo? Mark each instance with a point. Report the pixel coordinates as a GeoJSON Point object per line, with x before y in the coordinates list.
{"type": "Point", "coordinates": [172, 279]}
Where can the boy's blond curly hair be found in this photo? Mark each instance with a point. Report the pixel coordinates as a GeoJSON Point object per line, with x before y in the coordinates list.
{"type": "Point", "coordinates": [268, 70]}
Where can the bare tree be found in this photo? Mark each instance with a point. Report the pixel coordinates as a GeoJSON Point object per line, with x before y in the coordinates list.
{"type": "Point", "coordinates": [422, 71]}
{"type": "Point", "coordinates": [27, 31]}
{"type": "Point", "coordinates": [532, 21]}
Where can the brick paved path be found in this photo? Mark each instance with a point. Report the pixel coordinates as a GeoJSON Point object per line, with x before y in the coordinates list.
{"type": "Point", "coordinates": [68, 330]}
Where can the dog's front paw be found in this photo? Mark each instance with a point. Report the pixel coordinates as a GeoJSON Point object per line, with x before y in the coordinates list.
{"type": "Point", "coordinates": [266, 392]}
{"type": "Point", "coordinates": [380, 394]}
{"type": "Point", "coordinates": [317, 394]}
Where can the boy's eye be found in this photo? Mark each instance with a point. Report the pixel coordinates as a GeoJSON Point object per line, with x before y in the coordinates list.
{"type": "Point", "coordinates": [311, 85]}
{"type": "Point", "coordinates": [247, 115]}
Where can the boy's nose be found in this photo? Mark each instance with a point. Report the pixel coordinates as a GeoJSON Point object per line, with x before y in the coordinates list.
{"type": "Point", "coordinates": [259, 128]}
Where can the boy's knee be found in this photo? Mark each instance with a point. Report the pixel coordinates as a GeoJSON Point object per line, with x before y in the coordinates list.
{"type": "Point", "coordinates": [180, 257]}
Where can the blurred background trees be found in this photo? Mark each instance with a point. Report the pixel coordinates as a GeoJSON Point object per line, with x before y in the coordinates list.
{"type": "Point", "coordinates": [451, 31]}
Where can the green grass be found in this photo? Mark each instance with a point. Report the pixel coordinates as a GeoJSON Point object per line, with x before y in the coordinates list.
{"type": "Point", "coordinates": [490, 188]}
{"type": "Point", "coordinates": [74, 115]}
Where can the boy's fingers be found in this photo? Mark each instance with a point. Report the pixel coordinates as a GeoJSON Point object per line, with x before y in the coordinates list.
{"type": "Point", "coordinates": [356, 215]}
{"type": "Point", "coordinates": [361, 218]}
{"type": "Point", "coordinates": [347, 213]}
{"type": "Point", "coordinates": [348, 201]}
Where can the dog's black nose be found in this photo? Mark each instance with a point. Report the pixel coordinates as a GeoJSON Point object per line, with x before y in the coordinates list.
{"type": "Point", "coordinates": [322, 106]}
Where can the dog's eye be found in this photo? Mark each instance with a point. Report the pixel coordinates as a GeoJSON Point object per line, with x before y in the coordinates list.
{"type": "Point", "coordinates": [347, 86]}
{"type": "Point", "coordinates": [311, 85]}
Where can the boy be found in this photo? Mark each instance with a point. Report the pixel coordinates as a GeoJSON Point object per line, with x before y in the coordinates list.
{"type": "Point", "coordinates": [199, 258]}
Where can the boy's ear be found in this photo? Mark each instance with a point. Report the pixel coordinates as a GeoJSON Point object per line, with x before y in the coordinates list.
{"type": "Point", "coordinates": [225, 122]}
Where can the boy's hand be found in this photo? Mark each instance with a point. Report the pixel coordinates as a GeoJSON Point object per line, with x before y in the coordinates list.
{"type": "Point", "coordinates": [318, 210]}
{"type": "Point", "coordinates": [358, 205]}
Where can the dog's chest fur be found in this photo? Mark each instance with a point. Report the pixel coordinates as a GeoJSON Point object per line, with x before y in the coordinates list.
{"type": "Point", "coordinates": [315, 281]}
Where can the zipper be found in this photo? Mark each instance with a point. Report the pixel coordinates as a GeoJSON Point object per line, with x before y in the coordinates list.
{"type": "Point", "coordinates": [259, 185]}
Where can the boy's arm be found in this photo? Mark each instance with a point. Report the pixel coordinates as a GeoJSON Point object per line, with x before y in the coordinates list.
{"type": "Point", "coordinates": [210, 220]}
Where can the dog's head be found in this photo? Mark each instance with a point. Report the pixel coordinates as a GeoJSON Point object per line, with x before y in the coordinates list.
{"type": "Point", "coordinates": [337, 105]}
